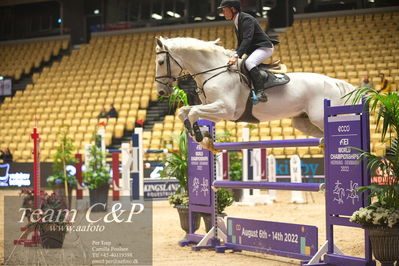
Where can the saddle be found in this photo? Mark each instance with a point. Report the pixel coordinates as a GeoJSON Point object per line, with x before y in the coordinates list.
{"type": "Point", "coordinates": [275, 71]}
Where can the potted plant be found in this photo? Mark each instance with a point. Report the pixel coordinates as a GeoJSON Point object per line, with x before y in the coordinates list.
{"type": "Point", "coordinates": [62, 180]}
{"type": "Point", "coordinates": [51, 220]}
{"type": "Point", "coordinates": [381, 217]}
{"type": "Point", "coordinates": [97, 177]}
{"type": "Point", "coordinates": [28, 199]}
{"type": "Point", "coordinates": [176, 166]}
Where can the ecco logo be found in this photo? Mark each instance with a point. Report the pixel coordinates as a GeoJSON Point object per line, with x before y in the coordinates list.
{"type": "Point", "coordinates": [346, 128]}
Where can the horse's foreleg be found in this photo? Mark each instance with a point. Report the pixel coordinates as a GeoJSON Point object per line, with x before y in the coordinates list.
{"type": "Point", "coordinates": [183, 112]}
{"type": "Point", "coordinates": [215, 112]}
{"type": "Point", "coordinates": [188, 127]}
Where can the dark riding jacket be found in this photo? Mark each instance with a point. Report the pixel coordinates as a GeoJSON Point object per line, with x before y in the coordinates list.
{"type": "Point", "coordinates": [250, 35]}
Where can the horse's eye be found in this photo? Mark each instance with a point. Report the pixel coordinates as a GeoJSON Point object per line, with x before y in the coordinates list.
{"type": "Point", "coordinates": [160, 62]}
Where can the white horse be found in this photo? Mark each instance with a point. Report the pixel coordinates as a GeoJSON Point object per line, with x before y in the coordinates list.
{"type": "Point", "coordinates": [224, 95]}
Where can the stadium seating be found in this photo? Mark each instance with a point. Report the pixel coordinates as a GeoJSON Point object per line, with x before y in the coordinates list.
{"type": "Point", "coordinates": [120, 69]}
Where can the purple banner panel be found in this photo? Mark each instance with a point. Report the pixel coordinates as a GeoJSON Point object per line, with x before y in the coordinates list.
{"type": "Point", "coordinates": [273, 236]}
{"type": "Point", "coordinates": [345, 168]}
{"type": "Point", "coordinates": [199, 171]}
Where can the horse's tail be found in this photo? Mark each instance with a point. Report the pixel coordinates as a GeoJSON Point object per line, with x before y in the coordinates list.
{"type": "Point", "coordinates": [344, 89]}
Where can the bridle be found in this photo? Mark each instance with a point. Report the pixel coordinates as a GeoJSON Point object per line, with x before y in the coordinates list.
{"type": "Point", "coordinates": [172, 79]}
{"type": "Point", "coordinates": [168, 75]}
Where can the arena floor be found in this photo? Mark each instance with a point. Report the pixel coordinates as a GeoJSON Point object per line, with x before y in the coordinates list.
{"type": "Point", "coordinates": [167, 233]}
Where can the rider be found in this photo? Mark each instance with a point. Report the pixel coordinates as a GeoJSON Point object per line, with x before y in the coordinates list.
{"type": "Point", "coordinates": [253, 41]}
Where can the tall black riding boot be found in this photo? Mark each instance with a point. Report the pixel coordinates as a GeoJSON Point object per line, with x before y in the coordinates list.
{"type": "Point", "coordinates": [258, 80]}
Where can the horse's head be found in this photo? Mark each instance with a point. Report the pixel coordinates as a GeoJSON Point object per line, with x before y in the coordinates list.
{"type": "Point", "coordinates": [167, 69]}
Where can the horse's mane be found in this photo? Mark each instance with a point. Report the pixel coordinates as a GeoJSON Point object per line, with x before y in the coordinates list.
{"type": "Point", "coordinates": [197, 45]}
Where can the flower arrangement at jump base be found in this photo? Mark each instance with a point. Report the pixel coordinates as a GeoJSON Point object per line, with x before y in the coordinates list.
{"type": "Point", "coordinates": [62, 180]}
{"type": "Point", "coordinates": [381, 217]}
{"type": "Point", "coordinates": [97, 176]}
{"type": "Point", "coordinates": [50, 218]}
{"type": "Point", "coordinates": [376, 214]}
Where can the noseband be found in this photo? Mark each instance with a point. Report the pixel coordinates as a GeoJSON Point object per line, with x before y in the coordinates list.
{"type": "Point", "coordinates": [168, 70]}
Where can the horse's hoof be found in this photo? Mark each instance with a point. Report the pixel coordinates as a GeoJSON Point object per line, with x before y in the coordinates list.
{"type": "Point", "coordinates": [198, 136]}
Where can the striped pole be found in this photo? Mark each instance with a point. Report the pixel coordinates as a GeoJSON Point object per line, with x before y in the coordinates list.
{"type": "Point", "coordinates": [268, 144]}
{"type": "Point", "coordinates": [269, 185]}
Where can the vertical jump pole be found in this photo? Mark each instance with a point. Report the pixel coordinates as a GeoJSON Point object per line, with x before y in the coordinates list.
{"type": "Point", "coordinates": [247, 167]}
{"type": "Point", "coordinates": [222, 166]}
{"type": "Point", "coordinates": [226, 165]}
{"type": "Point", "coordinates": [115, 176]}
{"type": "Point", "coordinates": [78, 166]}
{"type": "Point", "coordinates": [36, 167]}
{"type": "Point", "coordinates": [35, 240]}
{"type": "Point", "coordinates": [271, 175]}
{"type": "Point", "coordinates": [126, 168]}
{"type": "Point", "coordinates": [36, 183]}
{"type": "Point", "coordinates": [296, 177]}
{"type": "Point", "coordinates": [137, 171]}
{"type": "Point", "coordinates": [263, 164]}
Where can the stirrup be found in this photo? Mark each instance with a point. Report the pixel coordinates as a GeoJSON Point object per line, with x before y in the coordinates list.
{"type": "Point", "coordinates": [254, 98]}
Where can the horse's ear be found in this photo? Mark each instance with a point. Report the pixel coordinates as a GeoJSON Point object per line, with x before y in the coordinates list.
{"type": "Point", "coordinates": [159, 41]}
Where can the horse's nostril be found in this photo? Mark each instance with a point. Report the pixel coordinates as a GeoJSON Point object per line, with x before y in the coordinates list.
{"type": "Point", "coordinates": [161, 93]}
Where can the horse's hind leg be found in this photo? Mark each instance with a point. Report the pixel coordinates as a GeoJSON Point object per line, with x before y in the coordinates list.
{"type": "Point", "coordinates": [303, 123]}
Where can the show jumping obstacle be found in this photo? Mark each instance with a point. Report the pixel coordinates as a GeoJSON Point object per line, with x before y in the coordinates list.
{"type": "Point", "coordinates": [257, 166]}
{"type": "Point", "coordinates": [33, 233]}
{"type": "Point", "coordinates": [130, 170]}
{"type": "Point", "coordinates": [344, 127]}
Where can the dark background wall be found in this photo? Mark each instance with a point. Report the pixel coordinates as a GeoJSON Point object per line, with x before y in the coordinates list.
{"type": "Point", "coordinates": [34, 18]}
{"type": "Point", "coordinates": [74, 22]}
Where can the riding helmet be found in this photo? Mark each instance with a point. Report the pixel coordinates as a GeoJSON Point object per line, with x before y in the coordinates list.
{"type": "Point", "coordinates": [229, 3]}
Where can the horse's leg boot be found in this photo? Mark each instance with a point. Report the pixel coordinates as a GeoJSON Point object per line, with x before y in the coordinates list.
{"type": "Point", "coordinates": [197, 132]}
{"type": "Point", "coordinates": [187, 125]}
{"type": "Point", "coordinates": [258, 80]}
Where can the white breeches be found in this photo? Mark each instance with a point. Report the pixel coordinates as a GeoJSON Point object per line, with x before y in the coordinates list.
{"type": "Point", "coordinates": [258, 56]}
